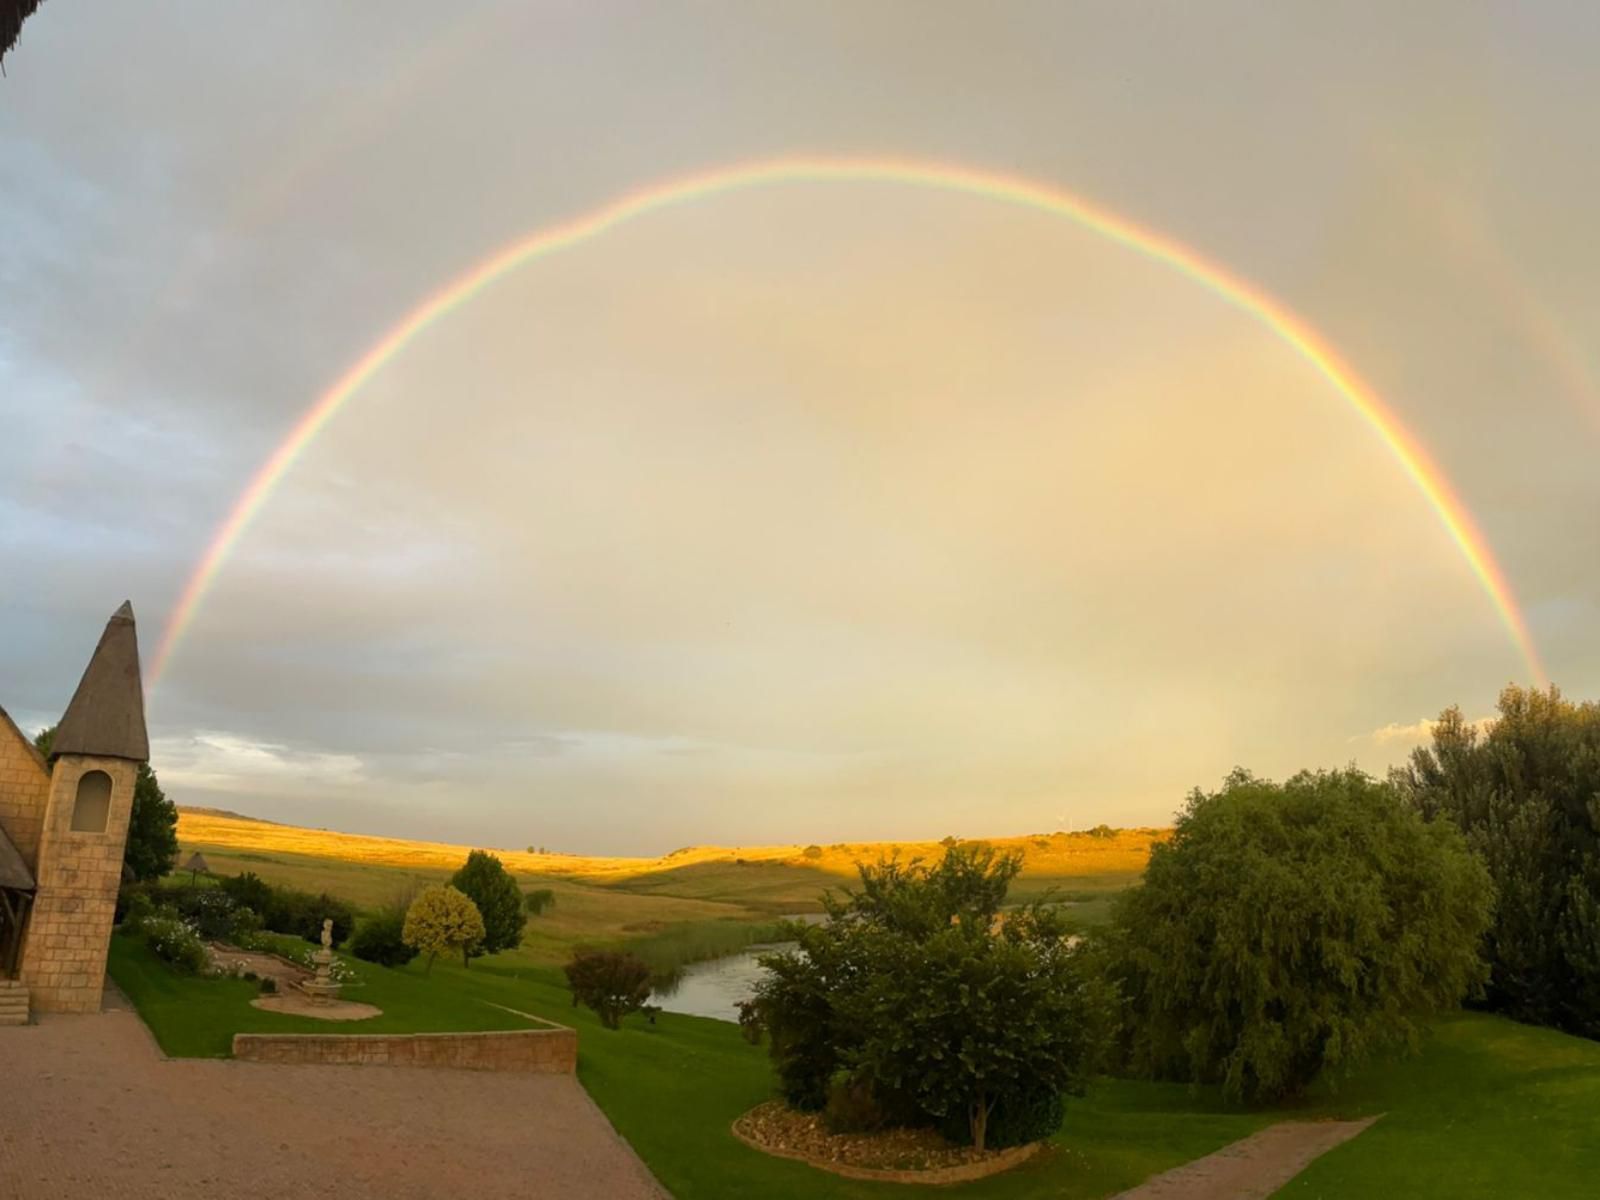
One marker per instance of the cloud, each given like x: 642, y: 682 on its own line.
x: 1414, y: 734
x: 226, y: 762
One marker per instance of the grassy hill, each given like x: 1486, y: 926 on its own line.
x: 694, y: 902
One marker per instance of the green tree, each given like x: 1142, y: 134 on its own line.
x: 611, y: 982
x: 917, y: 991
x: 539, y: 899
x: 1526, y: 792
x: 1287, y: 929
x: 494, y: 890
x: 152, y: 846
x: 442, y: 920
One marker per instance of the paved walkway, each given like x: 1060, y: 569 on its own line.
x: 92, y: 1109
x: 1251, y: 1168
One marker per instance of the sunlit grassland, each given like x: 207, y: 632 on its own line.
x: 739, y: 881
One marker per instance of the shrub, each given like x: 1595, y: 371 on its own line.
x: 136, y: 910
x: 268, y: 985
x: 537, y: 900
x: 611, y: 982
x: 1289, y: 929
x: 442, y: 920
x: 288, y: 910
x: 175, y: 942
x: 1524, y: 794
x: 918, y: 992
x: 813, y: 851
x: 485, y: 881
x: 381, y: 939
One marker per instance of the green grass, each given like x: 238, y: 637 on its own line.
x: 196, y: 1017
x: 1489, y: 1109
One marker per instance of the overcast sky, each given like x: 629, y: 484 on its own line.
x: 808, y: 513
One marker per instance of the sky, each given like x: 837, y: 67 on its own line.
x: 818, y: 511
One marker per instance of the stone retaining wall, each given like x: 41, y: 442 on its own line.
x: 551, y: 1051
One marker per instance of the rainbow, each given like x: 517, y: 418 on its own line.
x: 1007, y: 189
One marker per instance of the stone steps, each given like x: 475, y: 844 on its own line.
x: 13, y: 1003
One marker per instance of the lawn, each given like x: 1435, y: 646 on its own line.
x: 195, y: 1017
x: 1489, y: 1109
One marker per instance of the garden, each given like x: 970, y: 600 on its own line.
x: 1296, y: 951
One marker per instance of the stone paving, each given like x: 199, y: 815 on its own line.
x: 91, y: 1108
x: 1252, y: 1168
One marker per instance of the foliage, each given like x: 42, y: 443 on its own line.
x: 930, y: 1004
x: 152, y: 846
x: 610, y: 982
x: 484, y: 879
x: 1527, y: 795
x: 175, y: 942
x: 813, y: 851
x: 537, y: 900
x: 381, y: 939
x: 1290, y: 929
x: 136, y: 908
x: 289, y: 910
x: 443, y: 920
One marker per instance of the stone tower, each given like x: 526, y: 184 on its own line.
x: 94, y: 762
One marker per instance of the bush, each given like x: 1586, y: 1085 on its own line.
x: 442, y: 920
x: 137, y: 908
x: 537, y: 900
x: 381, y: 939
x: 1027, y: 1115
x: 813, y: 851
x: 485, y: 881
x: 1524, y: 793
x: 268, y: 985
x: 288, y: 910
x: 939, y: 1010
x: 175, y: 942
x: 611, y: 982
x: 1290, y: 929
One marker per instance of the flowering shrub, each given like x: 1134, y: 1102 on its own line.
x: 175, y: 942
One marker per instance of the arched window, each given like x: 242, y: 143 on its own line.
x: 93, y: 806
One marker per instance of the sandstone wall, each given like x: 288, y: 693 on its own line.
x: 64, y: 957
x: 545, y: 1051
x: 24, y: 791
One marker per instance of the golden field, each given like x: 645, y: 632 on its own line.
x: 604, y: 897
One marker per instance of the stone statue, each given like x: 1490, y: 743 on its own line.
x: 321, y: 988
x: 327, y: 933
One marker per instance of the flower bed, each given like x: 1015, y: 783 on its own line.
x: 891, y: 1155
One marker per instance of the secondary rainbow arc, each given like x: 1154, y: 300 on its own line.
x: 1289, y: 328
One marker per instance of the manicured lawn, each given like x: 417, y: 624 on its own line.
x: 194, y: 1017
x: 1489, y: 1109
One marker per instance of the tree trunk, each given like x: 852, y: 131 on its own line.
x: 980, y: 1123
x: 431, y: 956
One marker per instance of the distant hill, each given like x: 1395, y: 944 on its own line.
x: 774, y: 878
x: 200, y: 810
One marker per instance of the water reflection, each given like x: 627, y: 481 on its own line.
x: 714, y: 988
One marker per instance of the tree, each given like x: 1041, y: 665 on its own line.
x: 381, y: 937
x: 442, y: 920
x: 1290, y: 929
x: 918, y: 993
x: 539, y: 899
x: 493, y: 889
x: 1526, y: 792
x: 152, y: 846
x: 611, y: 982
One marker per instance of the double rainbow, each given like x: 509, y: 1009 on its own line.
x: 1275, y: 316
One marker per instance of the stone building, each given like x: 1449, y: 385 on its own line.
x: 63, y: 827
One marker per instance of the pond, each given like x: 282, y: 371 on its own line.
x: 715, y: 987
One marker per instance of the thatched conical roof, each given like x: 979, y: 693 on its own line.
x: 106, y: 715
x: 12, y: 14
x: 197, y: 862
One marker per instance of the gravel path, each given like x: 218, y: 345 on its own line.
x: 1251, y: 1168
x: 92, y: 1109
